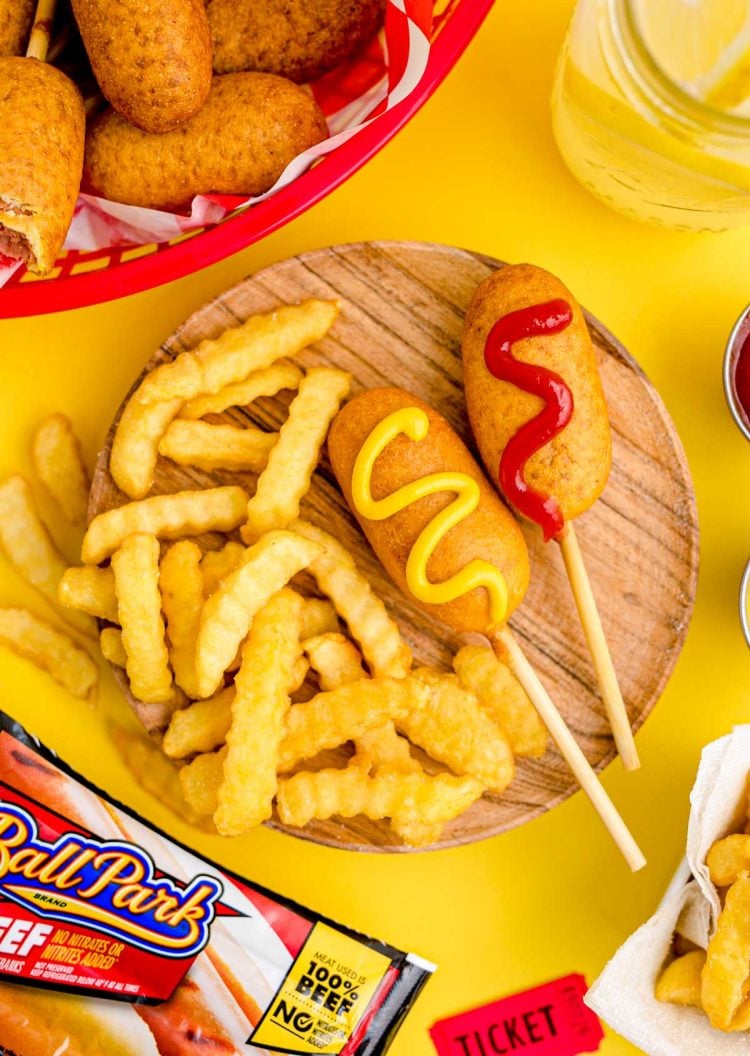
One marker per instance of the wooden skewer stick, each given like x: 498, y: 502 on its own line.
x: 508, y: 650
x: 93, y: 103
x: 41, y: 33
x: 592, y: 628
x: 59, y: 44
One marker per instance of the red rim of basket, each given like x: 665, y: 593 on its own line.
x: 236, y: 233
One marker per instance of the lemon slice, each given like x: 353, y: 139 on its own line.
x: 728, y: 88
x: 701, y: 45
x: 688, y: 38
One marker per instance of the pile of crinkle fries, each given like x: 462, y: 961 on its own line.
x: 257, y: 679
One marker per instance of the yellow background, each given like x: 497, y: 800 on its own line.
x: 476, y: 168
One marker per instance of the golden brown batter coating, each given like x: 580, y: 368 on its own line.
x: 152, y: 59
x: 42, y: 124
x: 299, y: 39
x: 251, y: 127
x: 490, y: 532
x: 16, y: 17
x: 573, y: 467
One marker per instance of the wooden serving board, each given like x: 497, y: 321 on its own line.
x: 401, y: 323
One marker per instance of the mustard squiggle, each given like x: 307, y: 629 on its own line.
x: 414, y: 423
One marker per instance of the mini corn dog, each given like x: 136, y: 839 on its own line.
x: 16, y: 17
x: 42, y: 123
x: 298, y: 39
x: 240, y: 142
x: 152, y: 63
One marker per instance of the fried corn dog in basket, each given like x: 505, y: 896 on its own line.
x: 16, y: 17
x: 155, y: 71
x: 396, y: 459
x: 42, y: 129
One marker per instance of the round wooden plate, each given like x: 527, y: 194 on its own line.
x: 403, y: 312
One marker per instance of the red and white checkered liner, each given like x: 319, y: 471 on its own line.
x: 365, y: 101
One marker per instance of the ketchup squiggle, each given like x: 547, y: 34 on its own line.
x: 552, y: 317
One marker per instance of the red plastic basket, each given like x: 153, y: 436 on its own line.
x: 81, y: 278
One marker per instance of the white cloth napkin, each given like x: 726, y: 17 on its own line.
x: 623, y: 995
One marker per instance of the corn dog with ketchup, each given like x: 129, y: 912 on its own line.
x: 447, y: 541
x: 538, y: 413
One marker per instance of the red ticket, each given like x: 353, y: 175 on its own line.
x: 550, y: 1020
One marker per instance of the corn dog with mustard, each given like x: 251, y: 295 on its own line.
x: 538, y: 412
x: 401, y: 466
x: 448, y: 542
x: 152, y: 61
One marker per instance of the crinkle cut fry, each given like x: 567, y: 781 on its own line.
x: 406, y: 798
x: 59, y: 465
x: 378, y: 636
x: 504, y: 699
x: 201, y: 727
x: 293, y: 459
x: 318, y: 617
x: 228, y: 613
x: 30, y: 549
x: 259, y: 708
x: 200, y: 781
x: 183, y: 513
x: 214, y: 364
x: 181, y: 588
x: 265, y: 382
x: 727, y: 967
x: 89, y: 589
x: 216, y: 565
x: 50, y: 650
x: 330, y: 719
x: 454, y: 730
x: 240, y: 351
x: 156, y: 774
x: 338, y: 662
x: 110, y: 643
x: 210, y: 447
x: 136, y: 569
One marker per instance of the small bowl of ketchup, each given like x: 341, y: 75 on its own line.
x: 737, y: 373
x: 737, y: 392
x: 745, y: 603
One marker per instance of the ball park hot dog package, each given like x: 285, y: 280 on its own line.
x: 117, y: 941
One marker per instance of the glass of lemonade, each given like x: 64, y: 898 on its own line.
x: 651, y: 108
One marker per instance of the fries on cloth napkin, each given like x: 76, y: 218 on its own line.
x: 693, y: 952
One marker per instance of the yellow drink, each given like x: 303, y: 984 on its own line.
x: 638, y: 139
